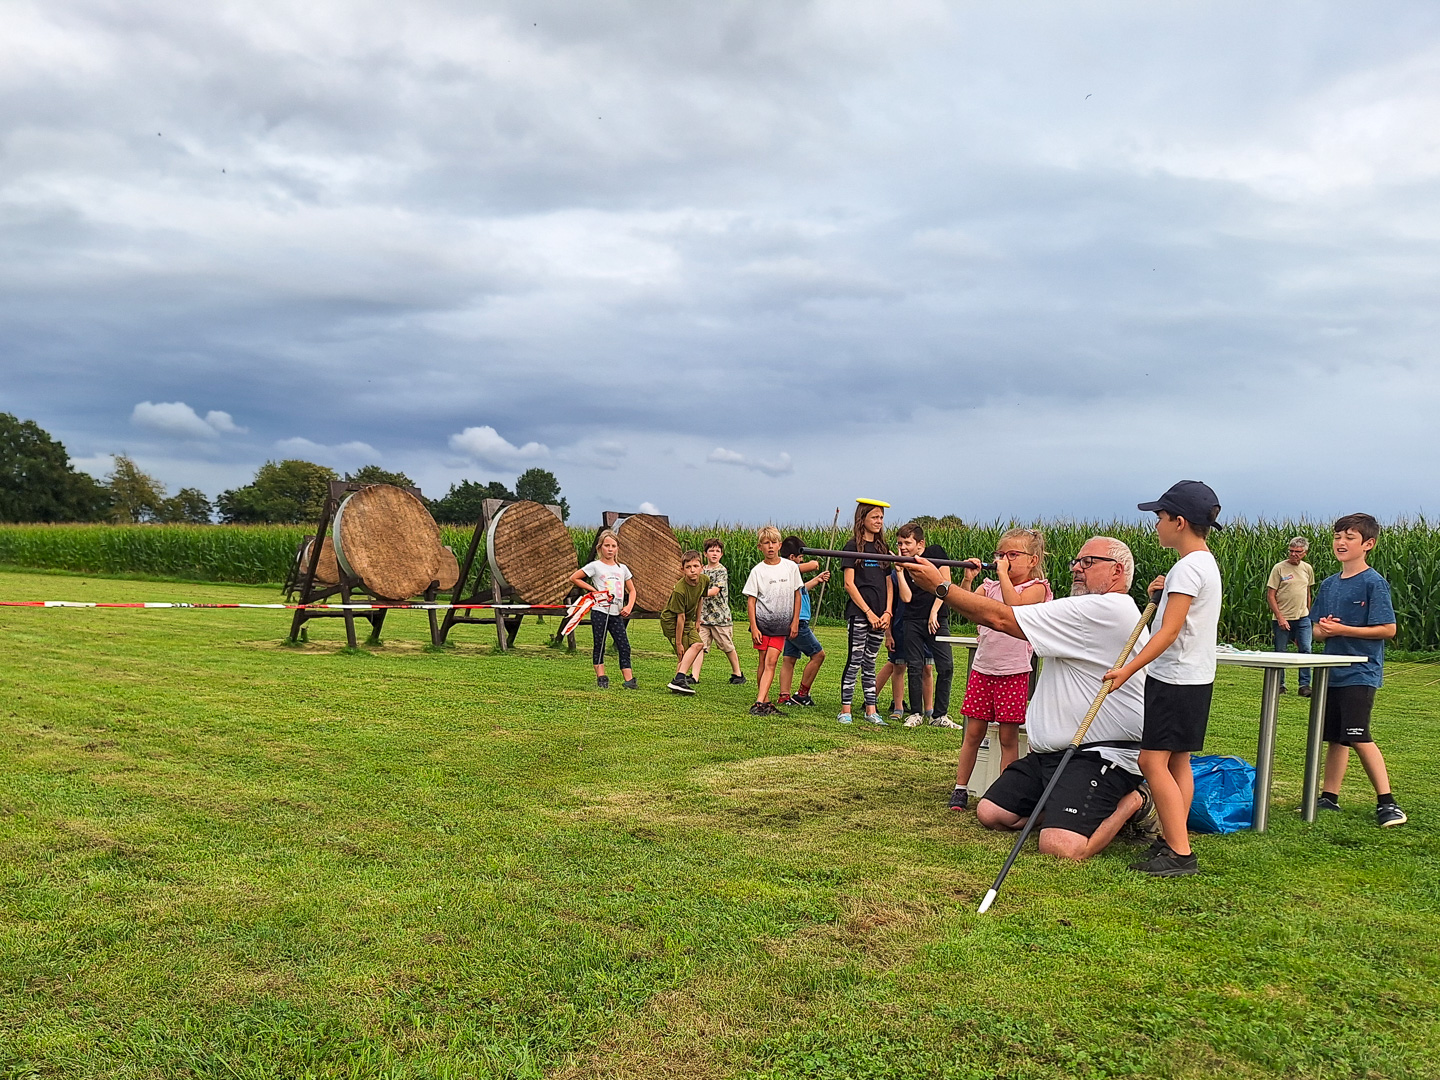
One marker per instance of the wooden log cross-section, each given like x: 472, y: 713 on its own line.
x: 649, y: 548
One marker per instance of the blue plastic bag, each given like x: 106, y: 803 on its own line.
x: 1224, y: 794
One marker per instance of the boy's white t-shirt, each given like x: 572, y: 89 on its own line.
x: 609, y: 577
x: 1190, y: 659
x: 774, y: 590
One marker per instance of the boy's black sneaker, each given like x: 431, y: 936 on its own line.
x: 680, y: 686
x: 1167, y: 864
x: 1388, y: 815
x: 803, y: 700
x: 689, y: 679
x: 1155, y: 848
x: 737, y: 680
x: 602, y: 682
x: 756, y: 710
x: 632, y: 684
x: 959, y: 799
x: 1325, y: 802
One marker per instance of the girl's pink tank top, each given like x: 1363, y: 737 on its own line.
x: 1001, y: 654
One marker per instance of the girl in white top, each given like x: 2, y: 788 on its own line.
x: 606, y: 574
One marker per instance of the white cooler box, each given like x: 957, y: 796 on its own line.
x: 987, y: 762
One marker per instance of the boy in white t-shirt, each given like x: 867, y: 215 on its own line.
x: 772, y: 593
x: 1181, y: 674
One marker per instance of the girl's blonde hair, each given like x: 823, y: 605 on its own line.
x: 1033, y: 541
x: 601, y: 537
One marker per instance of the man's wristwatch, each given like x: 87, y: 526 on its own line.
x: 942, y: 589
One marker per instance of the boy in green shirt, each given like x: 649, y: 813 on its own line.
x: 680, y: 617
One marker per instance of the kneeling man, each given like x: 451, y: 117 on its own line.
x: 1079, y: 636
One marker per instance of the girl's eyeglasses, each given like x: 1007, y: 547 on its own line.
x: 1009, y: 554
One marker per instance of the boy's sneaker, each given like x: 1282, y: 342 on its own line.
x: 1156, y: 847
x: 785, y: 699
x: 632, y: 684
x: 1325, y: 802
x: 959, y: 799
x: 876, y: 719
x: 845, y: 718
x: 602, y: 682
x: 737, y: 680
x: 680, y: 686
x: 756, y: 710
x: 896, y: 714
x: 914, y: 720
x: 1389, y: 814
x: 803, y: 700
x: 691, y: 679
x: 1145, y: 822
x: 1166, y: 863
x: 944, y: 721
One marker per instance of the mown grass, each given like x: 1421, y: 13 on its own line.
x: 221, y: 857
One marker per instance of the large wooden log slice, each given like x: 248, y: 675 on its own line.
x: 651, y: 551
x: 386, y: 537
x: 530, y: 550
x: 327, y: 570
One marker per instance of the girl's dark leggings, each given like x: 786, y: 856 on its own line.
x: 865, y: 642
x: 600, y: 624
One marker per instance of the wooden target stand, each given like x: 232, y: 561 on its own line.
x: 507, y: 617
x: 609, y: 520
x: 312, y: 592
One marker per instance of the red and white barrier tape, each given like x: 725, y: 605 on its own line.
x: 289, y: 607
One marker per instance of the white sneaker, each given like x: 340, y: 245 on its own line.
x: 914, y: 720
x: 944, y: 721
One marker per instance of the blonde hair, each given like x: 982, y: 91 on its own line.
x: 1033, y: 541
x: 603, y: 534
x: 767, y: 532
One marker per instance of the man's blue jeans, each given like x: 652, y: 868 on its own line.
x: 1299, y: 633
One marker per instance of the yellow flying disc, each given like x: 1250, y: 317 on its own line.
x: 873, y: 502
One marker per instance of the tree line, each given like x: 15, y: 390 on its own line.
x: 39, y: 483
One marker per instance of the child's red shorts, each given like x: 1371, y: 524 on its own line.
x: 998, y: 699
x: 770, y: 641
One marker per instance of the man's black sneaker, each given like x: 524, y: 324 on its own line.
x: 680, y: 686
x: 960, y: 799
x: 1388, y: 815
x: 1304, y: 691
x: 1325, y: 802
x: 737, y: 680
x: 602, y: 681
x: 803, y: 700
x: 632, y: 684
x: 1167, y: 864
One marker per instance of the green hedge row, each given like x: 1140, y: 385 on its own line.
x: 1408, y: 555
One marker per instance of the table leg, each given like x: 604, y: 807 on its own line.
x: 1319, y: 687
x: 1265, y: 749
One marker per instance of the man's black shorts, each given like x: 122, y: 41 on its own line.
x: 1347, y: 714
x: 1175, y: 716
x: 1090, y: 789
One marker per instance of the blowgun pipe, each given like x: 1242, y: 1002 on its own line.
x: 827, y: 553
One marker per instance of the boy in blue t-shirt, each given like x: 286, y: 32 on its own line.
x: 1353, y: 615
x: 804, y: 643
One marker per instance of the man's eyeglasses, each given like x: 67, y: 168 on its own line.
x: 1085, y: 562
x: 1009, y: 554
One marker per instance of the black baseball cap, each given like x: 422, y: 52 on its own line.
x: 1196, y: 502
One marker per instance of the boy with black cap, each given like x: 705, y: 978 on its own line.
x: 1181, y: 674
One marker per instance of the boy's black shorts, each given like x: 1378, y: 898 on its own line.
x: 1347, y: 714
x: 1176, y: 716
x: 1090, y: 789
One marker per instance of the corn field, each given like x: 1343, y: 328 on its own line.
x: 1408, y: 555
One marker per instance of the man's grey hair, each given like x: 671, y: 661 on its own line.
x: 1120, y: 552
x: 1300, y: 542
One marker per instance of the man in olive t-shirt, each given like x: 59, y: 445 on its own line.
x: 1288, y: 594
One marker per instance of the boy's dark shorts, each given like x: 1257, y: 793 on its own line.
x: 804, y: 643
x: 1090, y: 789
x: 1176, y: 716
x: 667, y: 627
x: 896, y: 655
x: 1347, y: 714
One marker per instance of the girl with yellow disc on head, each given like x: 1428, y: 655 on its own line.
x: 868, y: 612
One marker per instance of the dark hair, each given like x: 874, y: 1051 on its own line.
x: 712, y: 542
x: 909, y: 529
x: 690, y: 556
x: 862, y: 511
x: 1199, y: 528
x: 791, y: 545
x: 1364, y: 524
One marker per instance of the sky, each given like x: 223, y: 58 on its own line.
x: 735, y: 261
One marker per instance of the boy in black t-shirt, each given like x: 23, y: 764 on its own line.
x: 926, y: 618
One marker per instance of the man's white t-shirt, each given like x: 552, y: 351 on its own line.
x: 1080, y: 638
x: 774, y: 590
x: 1190, y: 659
x: 612, y: 578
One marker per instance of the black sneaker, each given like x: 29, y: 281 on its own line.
x: 1325, y: 802
x: 960, y: 799
x: 1389, y: 814
x: 737, y: 680
x: 1167, y: 864
x: 756, y: 710
x: 1156, y: 847
x: 680, y: 686
x: 803, y: 700
x: 602, y: 682
x: 632, y: 684
x: 690, y: 679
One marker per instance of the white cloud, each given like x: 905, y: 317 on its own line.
x: 780, y: 466
x: 648, y: 507
x: 488, y: 447
x: 176, y: 419
x: 348, y: 453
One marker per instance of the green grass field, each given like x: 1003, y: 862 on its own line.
x: 223, y: 857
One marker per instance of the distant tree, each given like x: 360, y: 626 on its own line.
x: 188, y: 506
x: 37, y: 481
x: 540, y: 485
x: 949, y: 521
x: 374, y: 474
x: 135, y: 496
x: 461, y: 504
x: 283, y: 492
